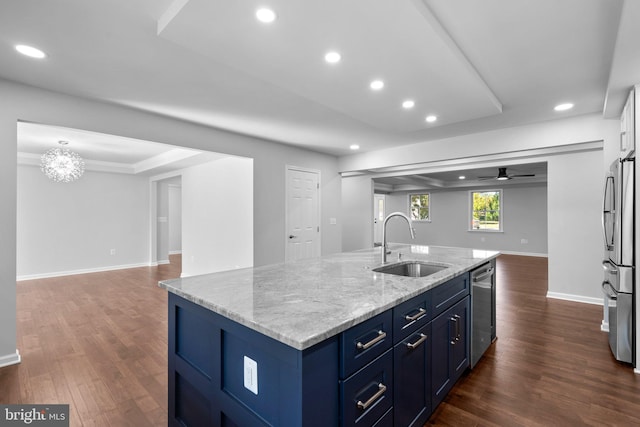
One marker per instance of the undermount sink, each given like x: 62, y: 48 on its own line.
x: 410, y: 268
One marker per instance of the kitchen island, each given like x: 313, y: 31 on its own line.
x: 326, y: 341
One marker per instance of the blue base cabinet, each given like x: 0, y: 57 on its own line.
x: 390, y: 370
x: 412, y: 370
x: 206, y: 374
x: 450, y: 354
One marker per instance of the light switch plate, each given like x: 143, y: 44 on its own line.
x: 251, y: 375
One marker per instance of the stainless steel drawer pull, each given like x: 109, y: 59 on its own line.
x: 416, y: 316
x: 413, y: 345
x: 381, y: 389
x: 456, y: 338
x: 381, y: 335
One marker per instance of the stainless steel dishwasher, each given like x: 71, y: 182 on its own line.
x: 483, y: 310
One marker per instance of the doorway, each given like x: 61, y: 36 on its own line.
x: 379, y: 201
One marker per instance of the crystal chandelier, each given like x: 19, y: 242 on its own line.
x: 62, y: 165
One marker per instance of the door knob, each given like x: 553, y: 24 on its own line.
x: 291, y: 236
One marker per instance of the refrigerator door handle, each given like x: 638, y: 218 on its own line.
x: 608, y: 246
x: 609, y: 267
x: 608, y: 290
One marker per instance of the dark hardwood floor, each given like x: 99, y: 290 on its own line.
x: 550, y: 366
x: 99, y: 343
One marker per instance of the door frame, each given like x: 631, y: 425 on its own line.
x: 286, y: 206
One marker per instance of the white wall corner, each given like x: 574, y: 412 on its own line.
x: 10, y: 359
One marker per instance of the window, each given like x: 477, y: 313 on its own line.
x: 419, y: 207
x: 486, y: 212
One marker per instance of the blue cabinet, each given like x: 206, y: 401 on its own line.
x: 390, y: 370
x: 450, y: 348
x: 412, y: 378
x: 206, y: 374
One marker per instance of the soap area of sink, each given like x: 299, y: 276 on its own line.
x: 411, y: 268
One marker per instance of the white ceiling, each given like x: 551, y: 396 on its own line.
x: 477, y: 65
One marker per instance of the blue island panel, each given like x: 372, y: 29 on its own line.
x: 206, y: 374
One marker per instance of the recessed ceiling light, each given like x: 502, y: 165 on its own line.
x: 30, y: 51
x: 265, y: 15
x: 376, y: 84
x: 431, y: 119
x: 462, y: 177
x: 354, y: 147
x: 408, y: 104
x: 332, y: 57
x: 563, y: 107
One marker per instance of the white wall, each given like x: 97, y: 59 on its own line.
x: 19, y: 102
x: 357, y: 213
x: 575, y: 230
x: 64, y: 228
x: 175, y: 219
x: 524, y: 216
x: 217, y: 218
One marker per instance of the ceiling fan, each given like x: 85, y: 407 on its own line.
x: 503, y: 176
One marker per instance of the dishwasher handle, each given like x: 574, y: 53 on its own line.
x: 483, y: 276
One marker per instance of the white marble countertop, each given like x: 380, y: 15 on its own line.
x: 305, y: 302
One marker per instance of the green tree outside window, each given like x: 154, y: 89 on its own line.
x: 419, y: 204
x: 486, y: 210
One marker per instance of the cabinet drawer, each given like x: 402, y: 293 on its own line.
x: 448, y: 293
x: 410, y: 316
x: 368, y: 395
x: 364, y: 342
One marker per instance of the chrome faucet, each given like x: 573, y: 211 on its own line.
x: 384, y: 232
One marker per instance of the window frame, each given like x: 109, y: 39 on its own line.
x: 500, y: 212
x: 428, y: 194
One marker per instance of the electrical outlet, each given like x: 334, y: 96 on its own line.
x: 113, y: 252
x: 524, y: 241
x: 251, y: 375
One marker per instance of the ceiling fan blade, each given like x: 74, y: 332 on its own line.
x: 520, y: 176
x: 482, y: 178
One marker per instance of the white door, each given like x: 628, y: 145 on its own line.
x: 378, y: 217
x: 303, y: 214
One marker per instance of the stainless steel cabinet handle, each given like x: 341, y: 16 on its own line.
x: 416, y: 316
x: 413, y: 345
x: 380, y: 337
x: 455, y: 320
x: 381, y: 389
x: 483, y: 276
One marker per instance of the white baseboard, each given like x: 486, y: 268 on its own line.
x: 575, y: 298
x: 175, y: 252
x: 83, y: 271
x: 10, y: 359
x: 604, y: 326
x: 163, y: 261
x: 524, y: 253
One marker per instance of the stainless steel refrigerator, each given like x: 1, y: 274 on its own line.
x: 618, y: 229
